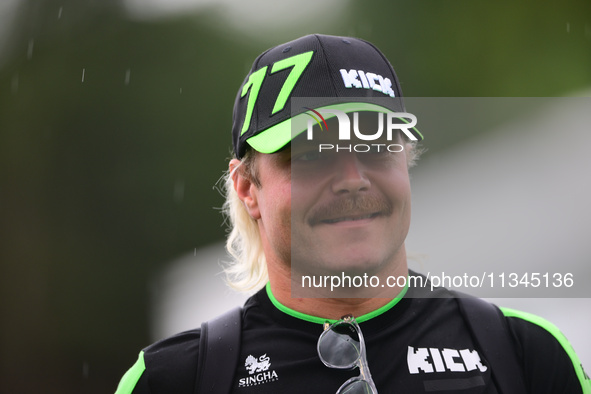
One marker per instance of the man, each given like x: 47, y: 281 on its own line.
x: 312, y: 195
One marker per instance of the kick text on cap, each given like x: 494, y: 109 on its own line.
x: 361, y: 79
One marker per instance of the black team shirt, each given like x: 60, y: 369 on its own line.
x: 415, y: 345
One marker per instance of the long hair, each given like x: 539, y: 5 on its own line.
x: 247, y: 272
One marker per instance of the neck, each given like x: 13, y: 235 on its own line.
x: 358, y: 304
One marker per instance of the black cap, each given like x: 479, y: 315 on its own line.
x: 347, y: 69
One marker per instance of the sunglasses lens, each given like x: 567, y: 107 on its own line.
x: 340, y: 347
x: 357, y: 387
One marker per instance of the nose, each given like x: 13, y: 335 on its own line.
x: 350, y: 176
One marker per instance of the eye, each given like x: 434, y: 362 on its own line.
x: 308, y: 156
x: 378, y: 153
x: 377, y: 150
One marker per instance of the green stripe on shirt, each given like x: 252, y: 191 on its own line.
x: 552, y: 329
x: 131, y: 377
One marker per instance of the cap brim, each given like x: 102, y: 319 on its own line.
x: 276, y: 137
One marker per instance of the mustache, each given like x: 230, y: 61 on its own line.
x: 350, y: 206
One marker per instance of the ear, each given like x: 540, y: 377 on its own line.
x: 247, y: 191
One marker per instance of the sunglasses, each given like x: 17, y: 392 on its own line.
x: 341, y: 346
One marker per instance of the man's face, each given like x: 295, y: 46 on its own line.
x: 333, y: 212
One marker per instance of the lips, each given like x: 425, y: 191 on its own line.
x: 350, y: 218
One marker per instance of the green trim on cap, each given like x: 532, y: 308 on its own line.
x: 322, y: 320
x: 279, y: 135
x: 131, y: 377
x: 552, y: 329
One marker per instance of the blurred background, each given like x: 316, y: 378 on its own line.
x: 115, y: 120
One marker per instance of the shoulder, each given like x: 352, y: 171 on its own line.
x: 550, y: 362
x: 171, y: 364
x: 167, y: 366
x: 184, y: 345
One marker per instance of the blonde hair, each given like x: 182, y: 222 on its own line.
x: 247, y: 272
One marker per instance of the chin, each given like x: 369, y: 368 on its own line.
x: 359, y: 267
x: 351, y: 266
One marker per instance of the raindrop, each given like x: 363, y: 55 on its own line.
x: 85, y: 370
x: 30, y: 49
x: 59, y: 13
x: 567, y: 27
x: 83, y: 71
x: 127, y: 76
x: 14, y: 84
x: 179, y: 191
x: 181, y: 91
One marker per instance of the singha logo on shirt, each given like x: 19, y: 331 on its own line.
x: 253, y: 365
x: 258, y: 371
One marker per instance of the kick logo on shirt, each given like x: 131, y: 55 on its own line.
x: 258, y: 370
x: 430, y: 360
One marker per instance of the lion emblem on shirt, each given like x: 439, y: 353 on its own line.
x: 253, y: 365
